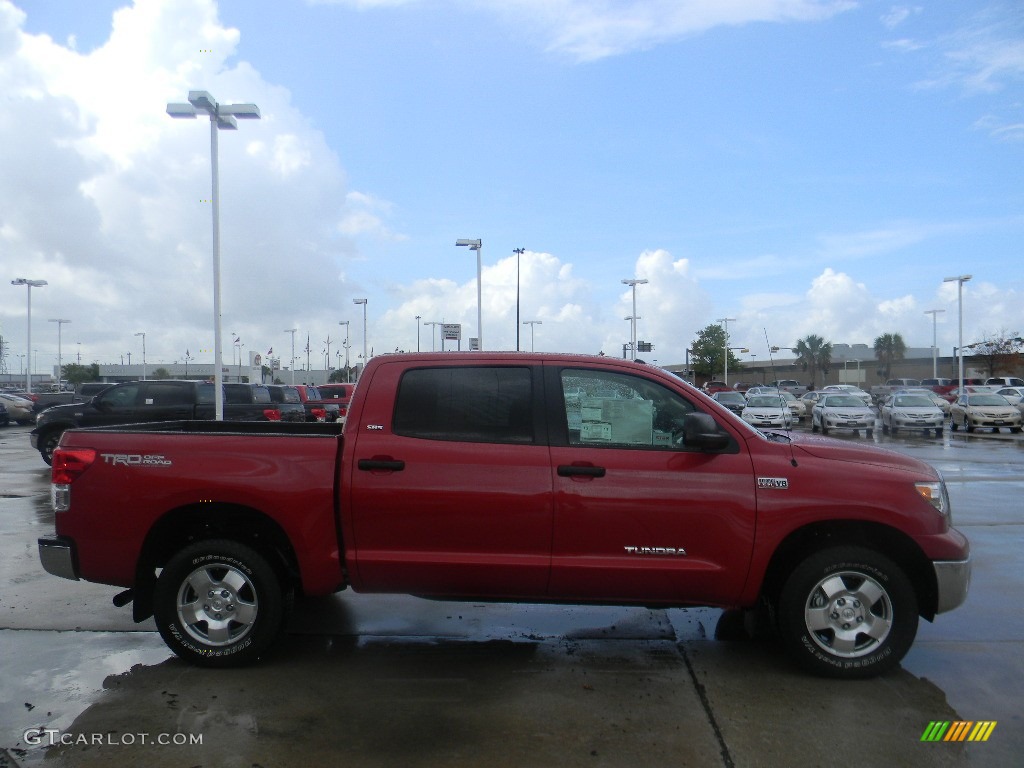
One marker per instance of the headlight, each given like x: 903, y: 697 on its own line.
x: 935, y: 494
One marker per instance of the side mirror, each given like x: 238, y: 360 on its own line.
x: 700, y: 430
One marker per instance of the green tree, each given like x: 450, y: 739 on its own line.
x: 889, y: 350
x: 73, y: 373
x: 161, y: 373
x: 814, y: 354
x: 707, y: 354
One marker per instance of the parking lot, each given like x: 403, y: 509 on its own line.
x: 399, y: 681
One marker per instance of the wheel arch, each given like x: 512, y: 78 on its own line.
x: 888, y: 541
x: 186, y: 525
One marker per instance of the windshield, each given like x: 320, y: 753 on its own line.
x: 765, y: 401
x: 912, y: 401
x: 987, y: 400
x: 842, y: 401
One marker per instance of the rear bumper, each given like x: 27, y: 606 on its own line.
x: 953, y: 578
x: 57, y: 556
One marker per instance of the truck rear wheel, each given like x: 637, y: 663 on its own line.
x: 219, y: 603
x: 847, y: 612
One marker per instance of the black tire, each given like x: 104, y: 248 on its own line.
x: 824, y: 428
x: 895, y: 430
x: 938, y: 431
x: 885, y: 428
x: 814, y: 427
x: 826, y: 623
x: 1016, y: 430
x: 952, y: 424
x: 47, y: 444
x: 240, y: 617
x: 870, y: 433
x: 968, y: 426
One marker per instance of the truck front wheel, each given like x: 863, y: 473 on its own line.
x: 847, y: 612
x: 48, y: 444
x: 219, y: 603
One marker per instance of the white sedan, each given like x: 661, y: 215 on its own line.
x: 848, y: 389
x: 796, y: 406
x: 767, y: 411
x: 985, y: 409
x: 911, y: 411
x: 1014, y: 394
x: 842, y: 411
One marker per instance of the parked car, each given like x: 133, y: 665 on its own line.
x: 909, y: 411
x: 716, y: 386
x: 789, y: 385
x: 317, y: 409
x: 1014, y: 394
x: 339, y: 392
x: 810, y: 398
x: 1005, y: 381
x: 984, y: 410
x: 18, y: 409
x: 734, y: 401
x: 881, y: 391
x: 842, y: 411
x: 767, y: 411
x: 150, y: 401
x: 287, y: 401
x: 796, y: 406
x: 849, y: 389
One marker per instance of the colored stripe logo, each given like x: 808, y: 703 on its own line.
x: 959, y: 730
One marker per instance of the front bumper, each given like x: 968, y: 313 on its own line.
x: 952, y: 578
x: 57, y: 556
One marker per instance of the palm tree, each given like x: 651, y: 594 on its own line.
x: 815, y: 354
x: 889, y: 350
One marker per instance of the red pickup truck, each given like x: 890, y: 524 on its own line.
x: 512, y: 477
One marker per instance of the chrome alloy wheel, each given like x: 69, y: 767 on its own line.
x: 217, y: 604
x: 848, y: 614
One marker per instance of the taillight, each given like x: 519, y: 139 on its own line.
x: 320, y: 414
x: 67, y: 466
x: 272, y: 414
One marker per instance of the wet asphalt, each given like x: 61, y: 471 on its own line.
x: 398, y: 681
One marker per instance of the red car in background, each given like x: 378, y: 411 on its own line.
x: 317, y: 409
x: 341, y: 393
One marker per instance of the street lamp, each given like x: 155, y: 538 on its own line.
x: 433, y: 333
x: 532, y: 323
x: 725, y: 326
x: 959, y: 280
x: 143, y: 335
x: 30, y: 284
x: 345, y: 323
x: 476, y: 245
x: 223, y: 117
x: 418, y: 318
x: 291, y: 363
x: 60, y: 327
x: 935, y: 349
x: 633, y: 283
x: 363, y: 302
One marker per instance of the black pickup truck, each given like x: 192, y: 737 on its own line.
x: 147, y: 401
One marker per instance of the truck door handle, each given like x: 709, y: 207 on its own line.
x: 576, y: 470
x: 377, y: 465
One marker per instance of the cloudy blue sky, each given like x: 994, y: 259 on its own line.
x: 802, y: 166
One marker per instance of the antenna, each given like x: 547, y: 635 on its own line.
x: 771, y: 358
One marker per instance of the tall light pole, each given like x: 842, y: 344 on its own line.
x: 291, y: 363
x: 30, y: 284
x: 60, y: 327
x: 345, y: 323
x: 418, y: 318
x: 725, y: 326
x: 935, y: 349
x: 222, y: 117
x: 433, y: 333
x: 477, y: 245
x: 633, y: 283
x: 959, y: 280
x: 519, y: 253
x: 532, y: 323
x: 363, y: 302
x: 143, y: 335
